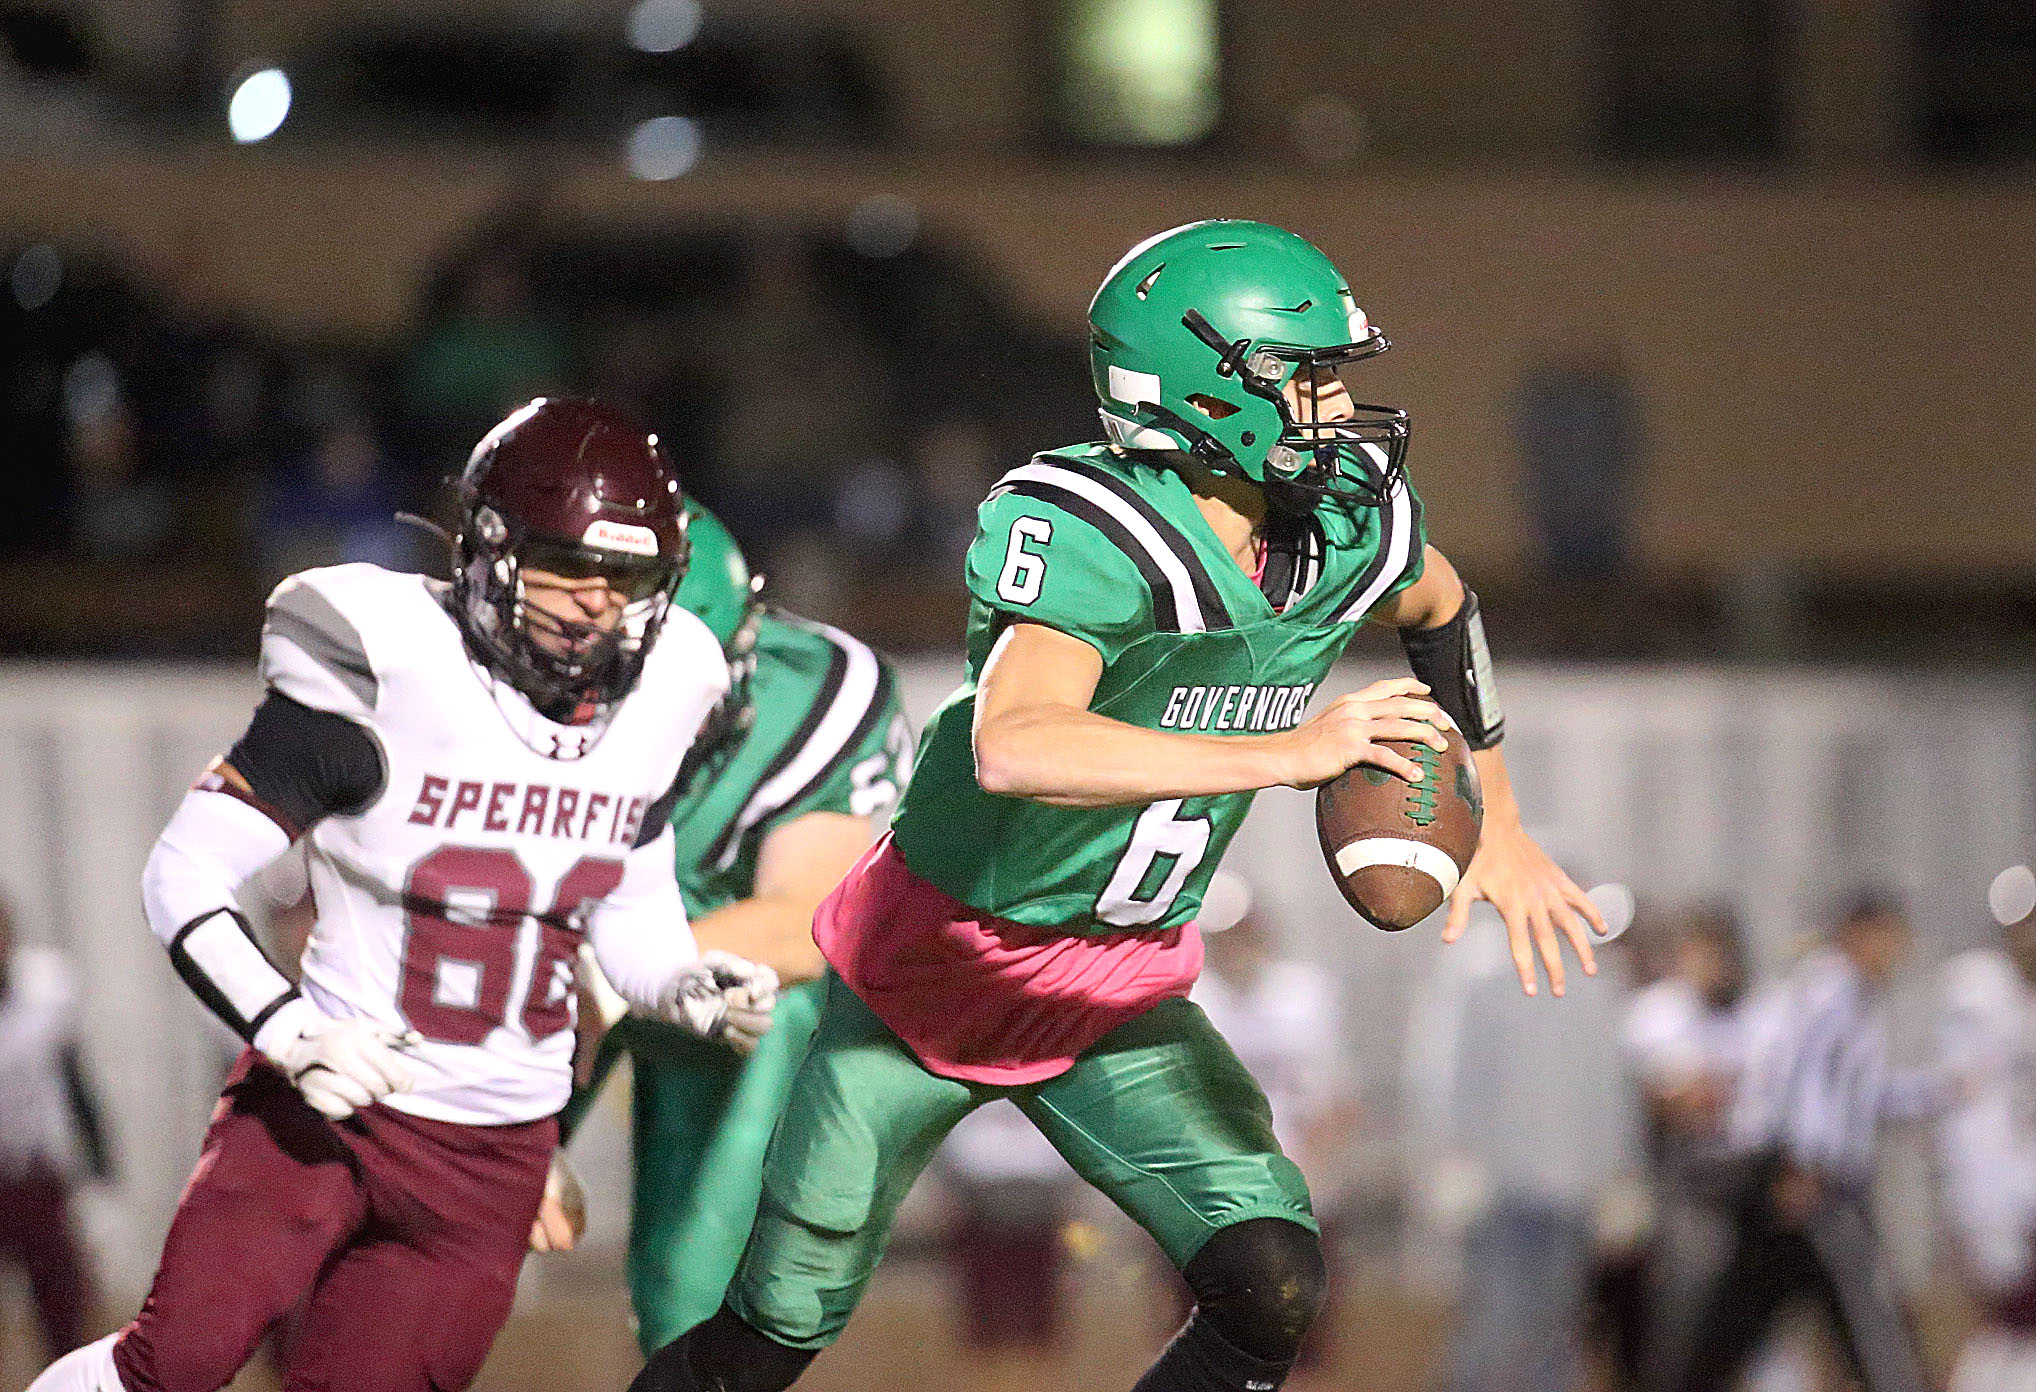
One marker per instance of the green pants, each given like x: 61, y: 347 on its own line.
x: 702, y: 1119
x: 1159, y: 1115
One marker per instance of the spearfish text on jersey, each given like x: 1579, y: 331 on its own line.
x: 534, y: 809
x: 1236, y: 707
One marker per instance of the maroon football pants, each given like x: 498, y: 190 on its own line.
x: 406, y: 1233
x: 36, y: 1231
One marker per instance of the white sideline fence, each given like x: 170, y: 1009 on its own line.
x: 1770, y: 790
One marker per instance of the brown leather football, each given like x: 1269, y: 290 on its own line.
x: 1396, y: 849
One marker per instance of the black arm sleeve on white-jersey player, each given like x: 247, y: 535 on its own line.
x: 299, y: 765
x: 303, y: 764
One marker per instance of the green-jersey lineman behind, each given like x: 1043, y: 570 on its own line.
x: 1151, y: 615
x: 783, y: 788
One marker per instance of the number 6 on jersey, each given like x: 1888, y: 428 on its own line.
x: 1159, y: 831
x: 1024, y: 569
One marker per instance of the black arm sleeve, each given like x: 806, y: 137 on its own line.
x: 1453, y: 659
x: 84, y: 1104
x: 304, y: 764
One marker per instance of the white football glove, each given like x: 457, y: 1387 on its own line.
x: 339, y: 1065
x: 725, y: 997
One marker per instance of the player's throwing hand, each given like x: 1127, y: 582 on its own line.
x: 1349, y: 731
x: 1534, y: 897
x: 724, y: 997
x: 340, y: 1066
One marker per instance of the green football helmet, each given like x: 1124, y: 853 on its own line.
x: 1196, y: 332
x: 720, y: 590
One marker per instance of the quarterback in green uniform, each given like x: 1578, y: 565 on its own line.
x: 783, y: 788
x: 1151, y: 615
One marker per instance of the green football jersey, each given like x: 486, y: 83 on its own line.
x: 830, y: 736
x: 1114, y: 551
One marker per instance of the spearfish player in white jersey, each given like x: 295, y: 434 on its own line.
x: 483, y: 772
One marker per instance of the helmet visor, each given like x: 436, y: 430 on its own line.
x: 635, y: 578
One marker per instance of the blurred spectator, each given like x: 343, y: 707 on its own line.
x: 336, y: 504
x: 1684, y: 1037
x: 956, y: 459
x: 1577, y: 422
x: 807, y: 401
x: 117, y: 512
x: 1803, y: 1135
x: 1531, y: 1155
x: 49, y: 1132
x: 209, y: 400
x: 1986, y: 1144
x: 1683, y: 1033
x: 873, y: 505
x: 1012, y: 1196
x: 1280, y: 1015
x: 485, y: 349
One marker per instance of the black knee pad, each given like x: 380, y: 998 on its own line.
x: 1259, y: 1284
x: 723, y: 1354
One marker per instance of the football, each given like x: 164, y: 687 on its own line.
x: 1397, y: 849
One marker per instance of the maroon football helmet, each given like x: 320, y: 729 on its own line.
x: 572, y: 488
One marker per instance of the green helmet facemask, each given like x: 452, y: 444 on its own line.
x: 722, y: 593
x: 1193, y: 337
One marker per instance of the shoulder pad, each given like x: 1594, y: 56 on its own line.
x: 313, y: 646
x: 1135, y: 538
x: 687, y: 653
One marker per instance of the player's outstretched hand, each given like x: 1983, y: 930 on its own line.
x: 724, y: 997
x: 340, y: 1066
x: 1351, y: 728
x: 1534, y: 897
x: 562, y: 1212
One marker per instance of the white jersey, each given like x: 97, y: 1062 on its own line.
x: 38, y: 1022
x: 1673, y: 1037
x: 1986, y: 1144
x: 455, y: 902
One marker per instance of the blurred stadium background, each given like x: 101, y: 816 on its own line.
x: 1716, y: 320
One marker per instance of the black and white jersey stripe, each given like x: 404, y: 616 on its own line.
x: 854, y: 695
x: 1399, y: 531
x: 1294, y: 551
x: 1184, y: 595
x: 1311, y: 561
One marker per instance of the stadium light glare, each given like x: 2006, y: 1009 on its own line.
x: 664, y: 26
x: 259, y: 105
x: 1616, y: 905
x: 2012, y: 896
x: 664, y: 147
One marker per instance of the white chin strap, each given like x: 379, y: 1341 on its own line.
x: 1129, y: 434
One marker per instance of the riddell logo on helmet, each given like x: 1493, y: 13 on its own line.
x: 620, y: 536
